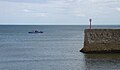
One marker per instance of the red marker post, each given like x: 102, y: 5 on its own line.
x: 90, y: 23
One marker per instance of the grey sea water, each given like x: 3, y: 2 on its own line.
x: 55, y: 49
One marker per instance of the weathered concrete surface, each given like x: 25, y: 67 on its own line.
x: 101, y: 41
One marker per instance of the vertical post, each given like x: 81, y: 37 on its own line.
x: 90, y: 22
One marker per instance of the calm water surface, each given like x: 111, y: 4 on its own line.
x: 56, y: 49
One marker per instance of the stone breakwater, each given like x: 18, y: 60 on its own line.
x: 101, y: 41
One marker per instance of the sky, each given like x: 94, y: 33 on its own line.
x: 59, y: 12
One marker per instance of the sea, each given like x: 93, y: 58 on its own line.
x: 57, y: 48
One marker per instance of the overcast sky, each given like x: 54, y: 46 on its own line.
x: 68, y: 12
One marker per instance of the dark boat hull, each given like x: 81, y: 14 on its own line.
x: 35, y: 32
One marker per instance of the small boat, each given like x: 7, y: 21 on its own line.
x: 36, y: 31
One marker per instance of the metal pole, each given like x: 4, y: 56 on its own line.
x: 90, y: 23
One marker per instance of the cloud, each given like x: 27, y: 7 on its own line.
x: 42, y: 14
x: 78, y: 13
x: 94, y: 0
x: 57, y: 10
x: 34, y: 13
x: 27, y: 10
x: 26, y: 1
x: 118, y: 9
x: 105, y: 1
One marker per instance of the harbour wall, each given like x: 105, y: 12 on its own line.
x: 101, y: 41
